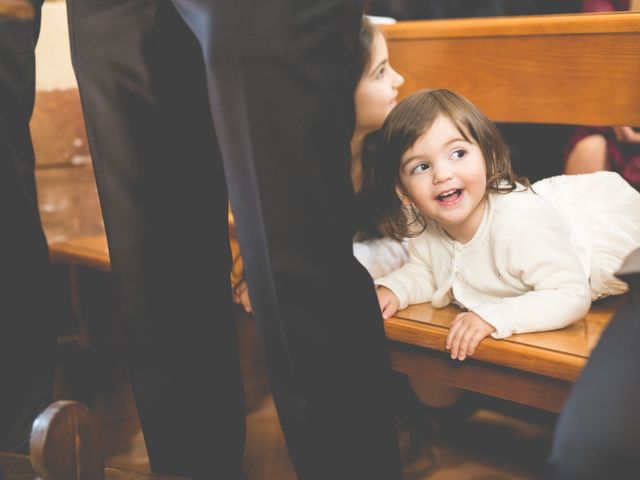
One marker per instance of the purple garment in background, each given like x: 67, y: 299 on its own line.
x: 623, y: 158
x: 605, y: 5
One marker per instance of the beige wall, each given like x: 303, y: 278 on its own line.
x: 53, y: 60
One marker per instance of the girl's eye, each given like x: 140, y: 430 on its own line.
x: 458, y: 154
x: 421, y: 167
x: 381, y: 72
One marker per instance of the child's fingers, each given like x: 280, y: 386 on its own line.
x: 455, y: 336
x: 452, y: 330
x: 242, y: 297
x: 246, y: 303
x: 475, y: 341
x: 387, y: 308
x: 382, y: 301
x: 465, y: 342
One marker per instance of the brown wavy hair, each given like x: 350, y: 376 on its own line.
x: 411, y: 118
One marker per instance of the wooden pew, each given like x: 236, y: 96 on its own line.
x: 567, y: 69
x: 64, y: 446
x: 563, y: 69
x: 16, y: 9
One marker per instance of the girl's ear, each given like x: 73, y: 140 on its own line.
x: 402, y: 195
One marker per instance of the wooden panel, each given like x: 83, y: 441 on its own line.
x: 497, y: 381
x: 562, y: 24
x: 57, y: 128
x: 90, y: 251
x: 552, y: 69
x: 16, y: 9
x: 93, y: 251
x: 68, y: 202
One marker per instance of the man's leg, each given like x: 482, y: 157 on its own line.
x: 281, y: 88
x: 163, y: 195
x: 598, y: 432
x: 27, y: 341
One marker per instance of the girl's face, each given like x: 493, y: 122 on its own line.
x: 376, y: 93
x: 445, y: 177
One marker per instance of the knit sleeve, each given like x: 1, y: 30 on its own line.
x: 380, y: 256
x: 542, y: 257
x: 414, y: 281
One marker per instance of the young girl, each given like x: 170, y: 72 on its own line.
x: 516, y: 258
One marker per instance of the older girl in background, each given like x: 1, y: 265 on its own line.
x: 375, y: 96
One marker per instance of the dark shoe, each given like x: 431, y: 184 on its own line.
x: 420, y: 453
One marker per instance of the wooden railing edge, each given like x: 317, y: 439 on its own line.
x: 560, y: 24
x: 554, y: 364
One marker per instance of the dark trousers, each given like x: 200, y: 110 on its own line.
x: 598, y: 432
x: 187, y: 101
x: 27, y: 342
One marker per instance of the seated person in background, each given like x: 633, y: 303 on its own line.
x: 517, y: 258
x: 592, y: 149
x: 374, y: 97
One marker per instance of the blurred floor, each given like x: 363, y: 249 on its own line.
x: 500, y: 441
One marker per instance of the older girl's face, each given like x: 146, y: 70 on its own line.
x: 377, y: 91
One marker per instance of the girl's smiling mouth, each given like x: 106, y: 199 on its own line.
x: 450, y: 197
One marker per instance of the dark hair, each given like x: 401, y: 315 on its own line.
x: 365, y: 47
x: 403, y: 127
x: 367, y: 227
x: 366, y: 209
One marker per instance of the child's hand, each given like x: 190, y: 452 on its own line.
x: 466, y: 332
x: 389, y: 303
x: 241, y: 296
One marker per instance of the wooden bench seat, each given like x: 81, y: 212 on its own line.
x: 89, y: 251
x: 535, y: 369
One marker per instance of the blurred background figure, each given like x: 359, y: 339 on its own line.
x: 617, y: 148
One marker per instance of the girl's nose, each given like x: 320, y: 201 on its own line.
x: 441, y: 173
x: 398, y: 80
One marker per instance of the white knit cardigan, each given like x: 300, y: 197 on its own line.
x: 519, y: 272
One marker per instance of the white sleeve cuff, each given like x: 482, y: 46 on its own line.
x: 490, y: 313
x: 397, y: 288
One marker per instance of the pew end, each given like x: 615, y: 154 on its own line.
x: 65, y: 446
x: 64, y: 443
